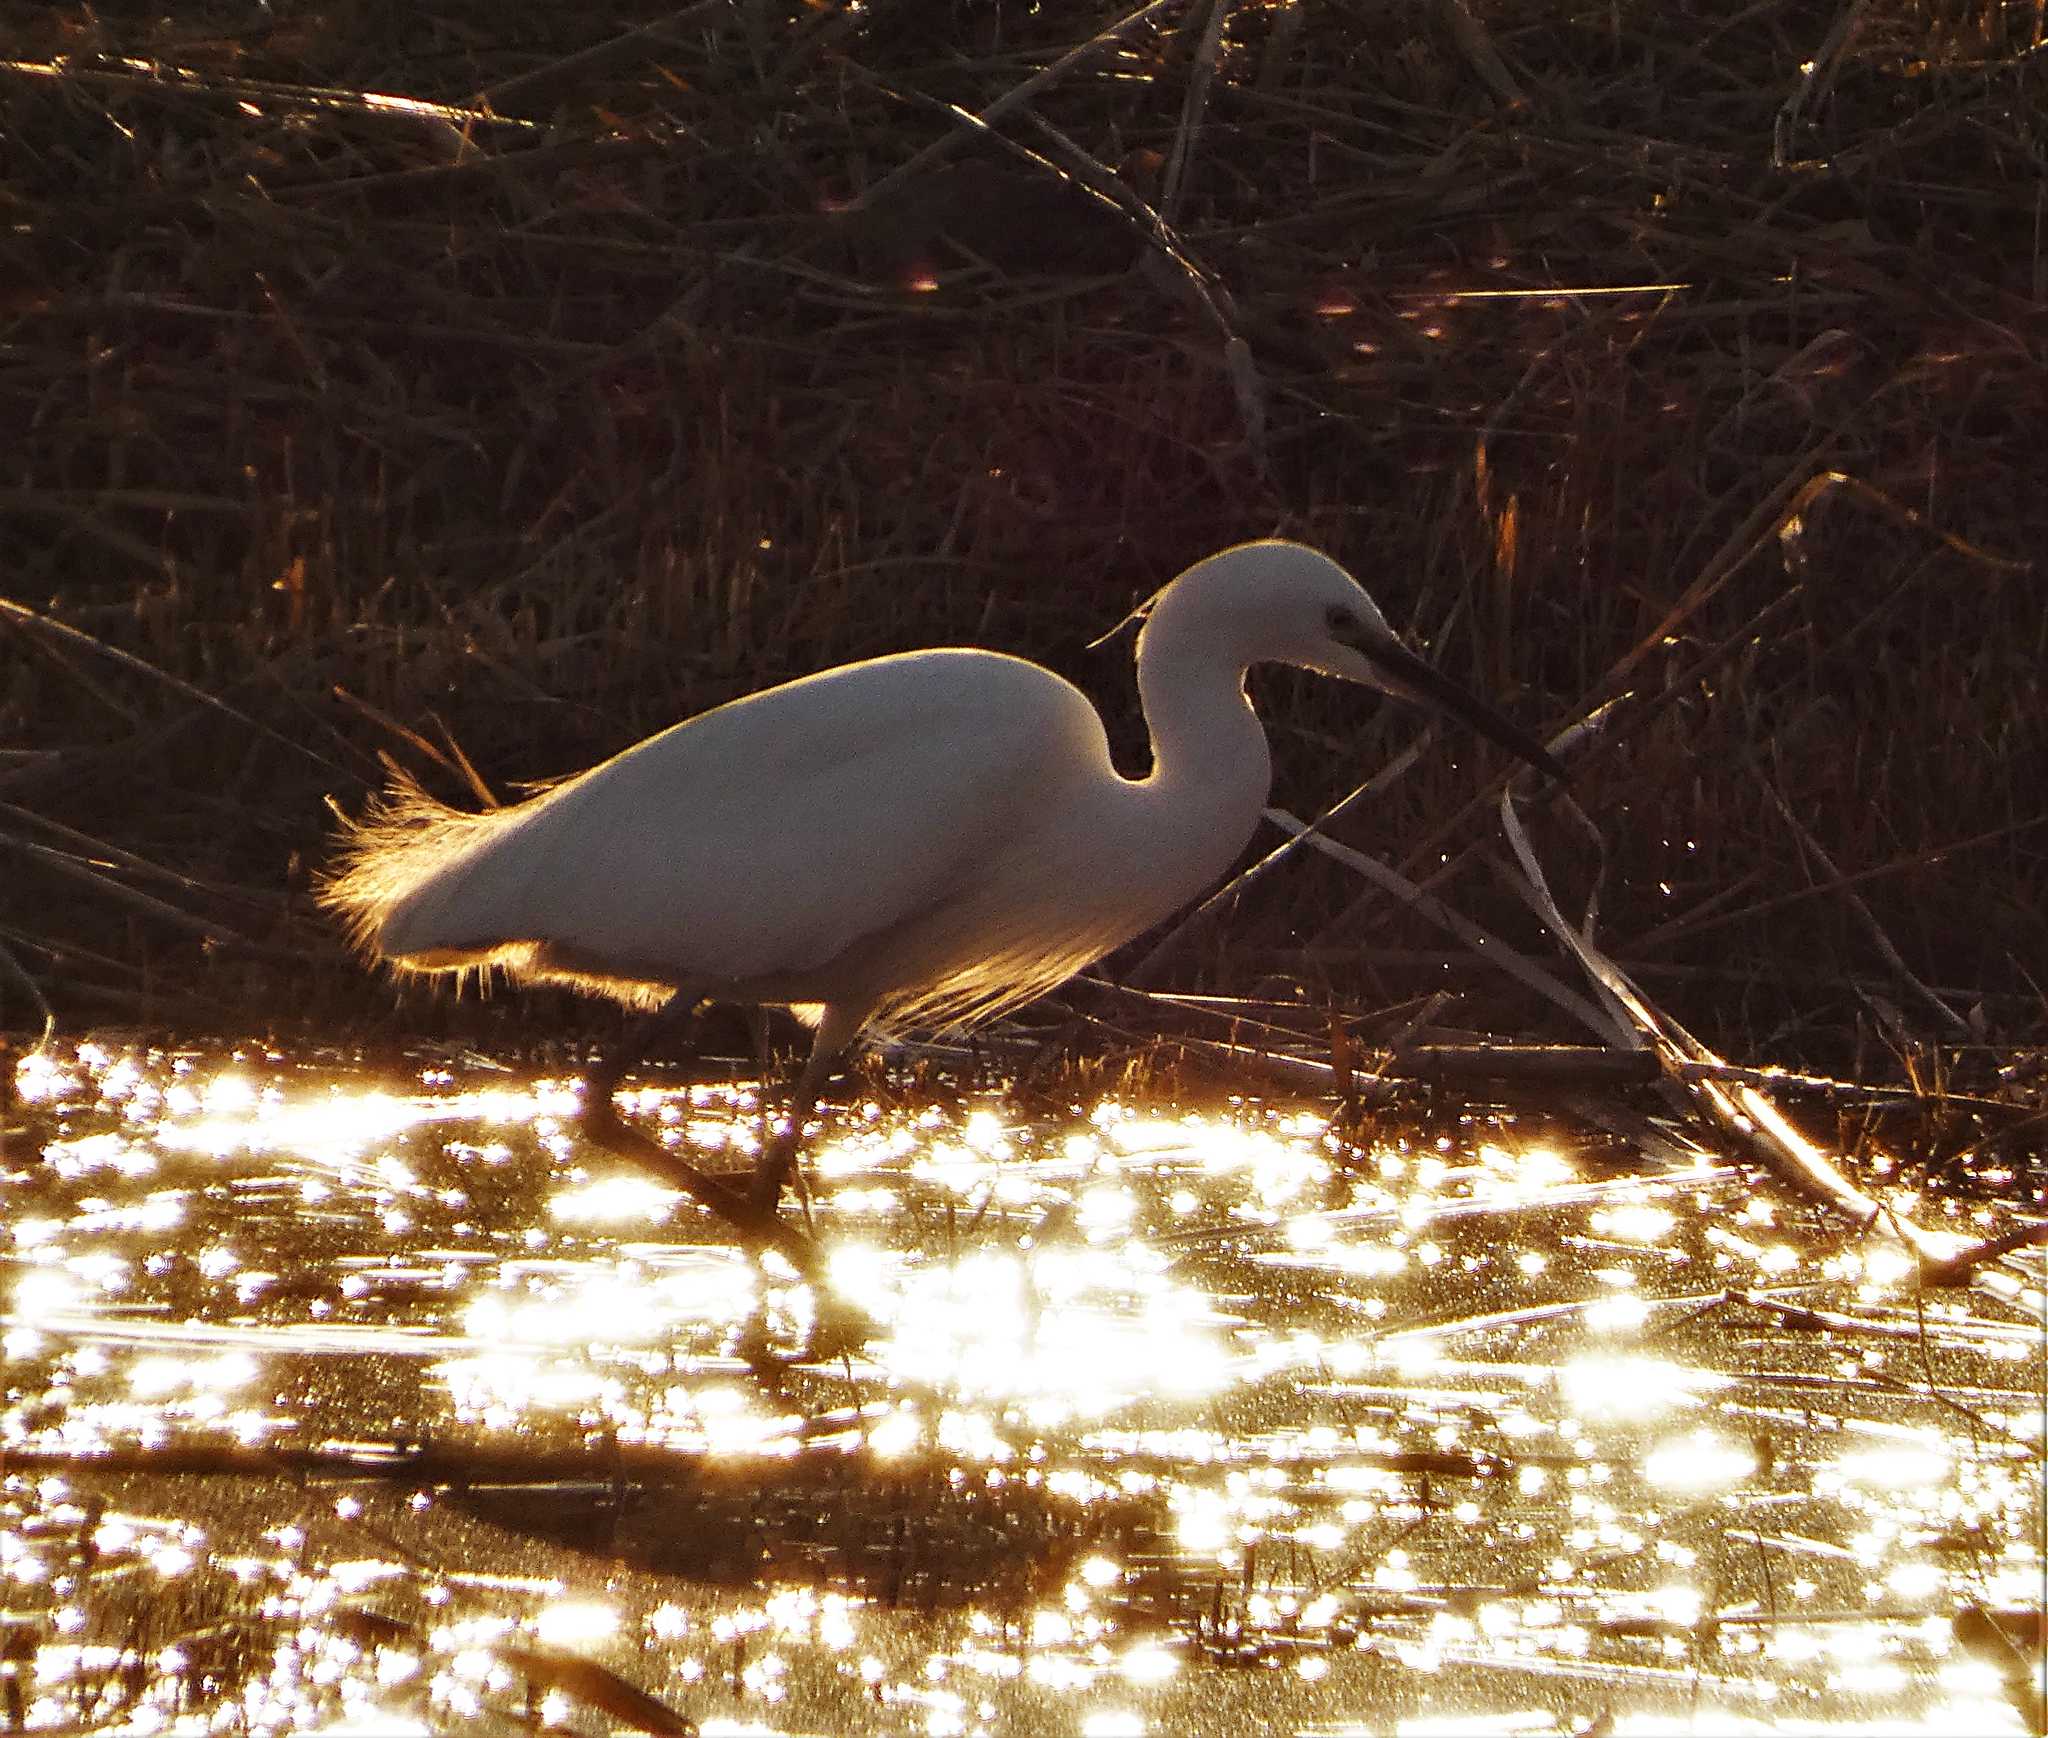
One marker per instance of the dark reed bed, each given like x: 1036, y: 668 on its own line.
x: 485, y: 389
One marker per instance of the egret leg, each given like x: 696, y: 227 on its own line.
x: 778, y: 1151
x: 603, y: 1124
x: 838, y: 1028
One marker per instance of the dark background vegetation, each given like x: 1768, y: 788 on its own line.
x: 1615, y: 352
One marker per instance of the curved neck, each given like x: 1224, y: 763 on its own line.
x: 1211, y: 771
x: 1205, y: 735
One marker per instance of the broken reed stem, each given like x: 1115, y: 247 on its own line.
x: 1741, y: 1113
x: 1476, y: 44
x: 250, y: 96
x: 1180, y: 159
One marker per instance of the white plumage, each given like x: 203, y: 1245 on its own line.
x: 927, y: 838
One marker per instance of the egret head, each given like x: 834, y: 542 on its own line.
x: 1284, y: 603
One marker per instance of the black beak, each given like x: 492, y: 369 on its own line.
x: 1411, y: 676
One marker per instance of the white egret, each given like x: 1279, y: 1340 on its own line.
x: 924, y: 839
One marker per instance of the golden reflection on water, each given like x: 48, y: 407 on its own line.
x: 1163, y: 1422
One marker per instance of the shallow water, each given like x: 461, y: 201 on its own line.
x: 1160, y: 1423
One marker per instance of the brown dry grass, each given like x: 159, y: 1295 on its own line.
x: 536, y: 430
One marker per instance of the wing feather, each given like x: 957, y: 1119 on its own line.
x: 758, y: 842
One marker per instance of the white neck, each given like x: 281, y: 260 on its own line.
x: 1211, y: 770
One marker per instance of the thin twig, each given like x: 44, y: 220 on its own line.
x: 1146, y: 972
x: 542, y: 87
x: 64, y: 864
x: 1014, y: 97
x: 1484, y: 947
x: 1815, y: 77
x: 69, y: 635
x: 1871, y: 927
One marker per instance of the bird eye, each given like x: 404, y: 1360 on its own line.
x: 1340, y: 621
